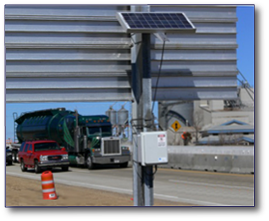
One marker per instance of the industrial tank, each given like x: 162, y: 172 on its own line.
x: 123, y: 116
x: 53, y: 124
x: 112, y: 114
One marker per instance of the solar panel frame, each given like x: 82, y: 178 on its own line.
x: 152, y: 22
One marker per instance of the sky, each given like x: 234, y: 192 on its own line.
x: 245, y: 41
x: 245, y: 56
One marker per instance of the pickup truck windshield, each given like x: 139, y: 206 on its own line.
x: 46, y: 146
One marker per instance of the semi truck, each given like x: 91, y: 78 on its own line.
x: 87, y: 139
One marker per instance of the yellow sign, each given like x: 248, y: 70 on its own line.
x: 176, y: 125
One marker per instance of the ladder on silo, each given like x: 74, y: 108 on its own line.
x: 15, y: 116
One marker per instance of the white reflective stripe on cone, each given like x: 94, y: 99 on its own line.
x: 47, y: 182
x: 48, y: 190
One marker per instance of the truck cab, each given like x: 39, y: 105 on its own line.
x: 100, y: 145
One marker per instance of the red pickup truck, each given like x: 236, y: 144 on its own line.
x: 42, y: 154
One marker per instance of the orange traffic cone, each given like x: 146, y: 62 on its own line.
x: 48, y: 186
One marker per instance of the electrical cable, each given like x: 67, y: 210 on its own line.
x: 159, y: 74
x: 152, y: 174
x: 157, y: 82
x: 247, y: 90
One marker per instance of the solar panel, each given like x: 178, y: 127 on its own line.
x: 150, y: 22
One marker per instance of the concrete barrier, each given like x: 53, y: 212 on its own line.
x: 230, y: 159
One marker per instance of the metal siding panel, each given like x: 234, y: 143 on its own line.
x: 82, y: 95
x: 187, y: 55
x: 207, y: 27
x: 62, y: 26
x: 195, y: 93
x: 67, y: 40
x: 67, y: 54
x: 198, y: 11
x: 46, y: 43
x: 67, y: 83
x: 65, y: 10
x: 52, y: 74
x: 226, y: 41
x: 190, y: 66
x: 194, y: 82
x: 66, y: 66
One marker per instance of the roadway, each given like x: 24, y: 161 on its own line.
x: 191, y: 187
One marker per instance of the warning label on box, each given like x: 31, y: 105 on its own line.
x: 161, y: 140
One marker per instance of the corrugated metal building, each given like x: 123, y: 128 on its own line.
x: 80, y: 53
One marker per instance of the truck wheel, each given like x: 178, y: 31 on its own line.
x: 14, y: 156
x: 65, y: 168
x: 23, y: 168
x: 124, y: 165
x: 89, y: 162
x: 37, y: 168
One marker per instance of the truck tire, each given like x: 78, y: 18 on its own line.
x: 37, y: 168
x: 124, y: 165
x: 89, y: 162
x: 65, y: 168
x: 23, y: 168
x: 14, y: 156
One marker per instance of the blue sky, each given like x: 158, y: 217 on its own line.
x: 245, y: 41
x: 245, y: 56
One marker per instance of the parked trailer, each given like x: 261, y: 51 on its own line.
x: 88, y: 139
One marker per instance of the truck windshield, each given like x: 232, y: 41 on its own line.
x: 46, y: 146
x: 94, y: 130
x: 106, y: 130
x: 99, y: 130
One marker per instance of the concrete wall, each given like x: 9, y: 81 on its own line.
x: 229, y: 159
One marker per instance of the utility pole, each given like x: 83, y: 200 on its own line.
x: 137, y: 114
x: 147, y: 114
x: 142, y: 117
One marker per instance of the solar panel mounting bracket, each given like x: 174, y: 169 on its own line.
x: 161, y: 36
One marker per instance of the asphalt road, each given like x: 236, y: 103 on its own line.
x: 192, y: 187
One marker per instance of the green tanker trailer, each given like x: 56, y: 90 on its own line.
x: 88, y: 139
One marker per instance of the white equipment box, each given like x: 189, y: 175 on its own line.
x: 152, y: 148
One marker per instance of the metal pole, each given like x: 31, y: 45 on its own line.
x: 138, y: 106
x: 148, y: 185
x: 137, y: 111
x: 77, y: 133
x: 147, y: 114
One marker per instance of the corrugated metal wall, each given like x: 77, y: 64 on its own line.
x: 80, y: 53
x: 66, y: 53
x: 201, y: 65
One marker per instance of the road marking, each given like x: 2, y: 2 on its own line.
x: 205, y: 172
x: 189, y: 201
x: 94, y: 186
x: 23, y: 175
x: 212, y: 185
